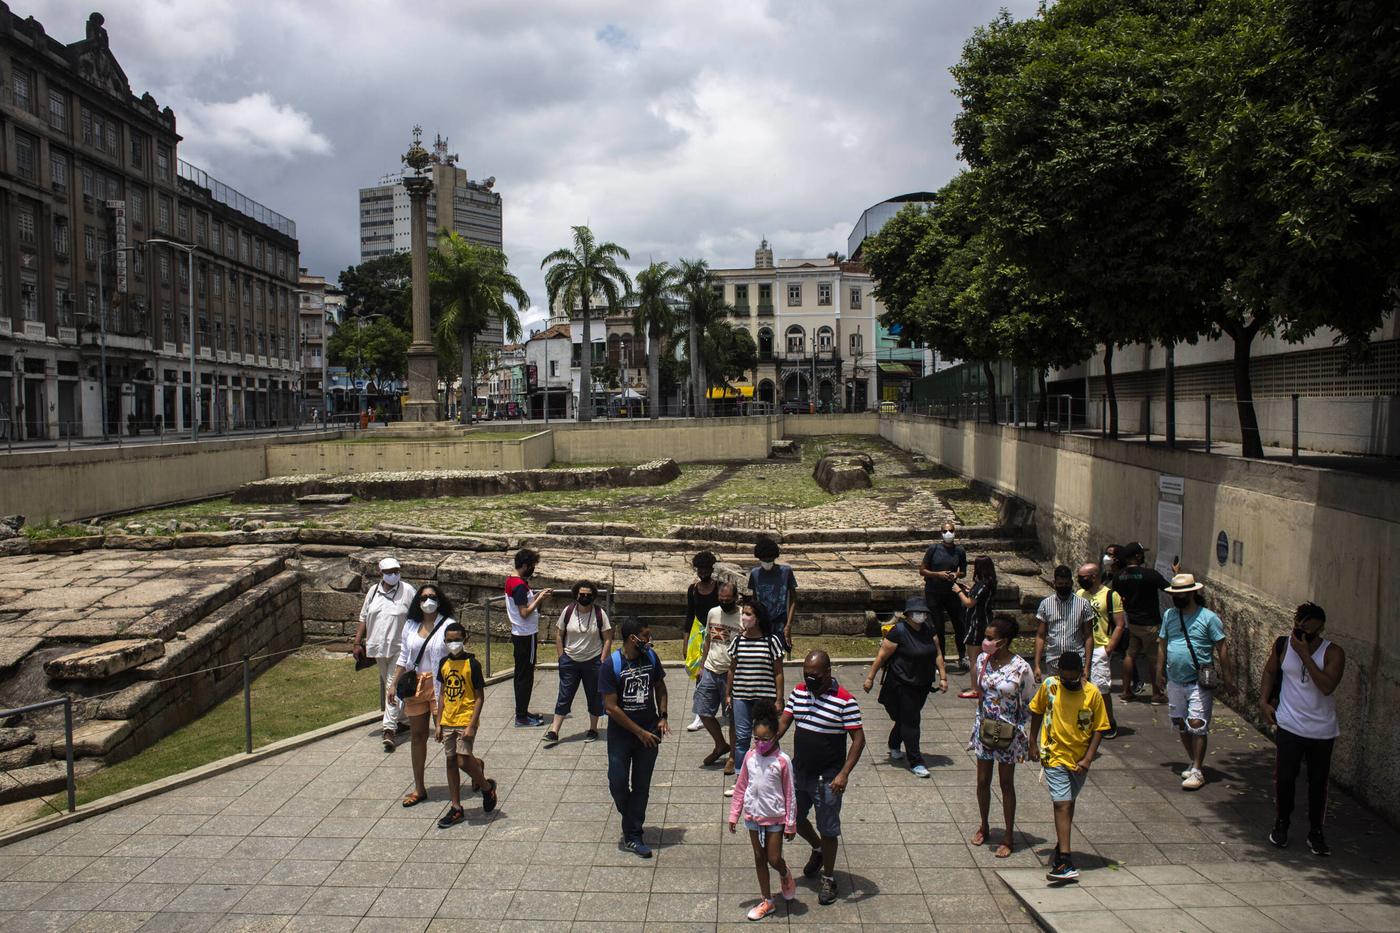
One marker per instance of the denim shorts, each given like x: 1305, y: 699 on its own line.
x: 1064, y: 784
x: 814, y: 790
x: 709, y: 693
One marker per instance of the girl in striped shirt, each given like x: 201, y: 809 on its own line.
x: 755, y: 673
x: 764, y: 794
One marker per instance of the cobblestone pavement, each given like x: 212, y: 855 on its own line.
x: 316, y: 839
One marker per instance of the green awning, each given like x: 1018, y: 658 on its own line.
x: 896, y: 369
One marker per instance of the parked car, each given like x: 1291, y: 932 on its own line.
x: 888, y: 408
x: 797, y: 408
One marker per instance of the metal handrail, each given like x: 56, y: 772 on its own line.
x: 67, y: 704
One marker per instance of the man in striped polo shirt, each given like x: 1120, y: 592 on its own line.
x: 825, y: 713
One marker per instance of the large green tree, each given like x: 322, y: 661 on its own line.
x: 728, y: 352
x: 575, y: 277
x: 364, y: 346
x: 654, y: 321
x: 472, y: 284
x: 380, y: 286
x: 704, y: 308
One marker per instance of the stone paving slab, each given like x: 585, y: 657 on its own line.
x: 315, y: 839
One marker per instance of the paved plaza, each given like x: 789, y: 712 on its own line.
x: 316, y: 839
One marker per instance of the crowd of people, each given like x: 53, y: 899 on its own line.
x: 1053, y: 708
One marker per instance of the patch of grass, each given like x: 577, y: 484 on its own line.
x: 305, y: 691
x: 970, y: 507
x: 48, y: 529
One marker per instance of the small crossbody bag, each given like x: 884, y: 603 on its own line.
x: 994, y: 734
x: 1207, y: 677
x: 407, y: 684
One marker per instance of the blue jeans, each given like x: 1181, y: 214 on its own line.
x: 630, y: 764
x: 743, y: 729
x: 571, y: 674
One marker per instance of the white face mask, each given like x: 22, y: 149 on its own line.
x: 391, y: 580
x: 429, y: 605
x: 947, y: 537
x: 456, y: 647
x: 766, y: 564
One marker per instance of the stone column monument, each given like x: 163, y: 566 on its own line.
x: 421, y: 404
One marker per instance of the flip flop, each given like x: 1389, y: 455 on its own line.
x: 978, y: 838
x: 714, y: 756
x: 1004, y: 850
x: 970, y: 695
x: 413, y: 799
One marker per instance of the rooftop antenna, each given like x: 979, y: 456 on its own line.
x: 440, y: 152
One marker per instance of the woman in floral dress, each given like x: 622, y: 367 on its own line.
x: 1007, y: 684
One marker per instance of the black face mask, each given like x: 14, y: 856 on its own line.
x: 816, y: 686
x: 1076, y: 686
x: 1085, y: 583
x: 1181, y: 602
x: 728, y: 606
x: 1063, y: 590
x: 585, y: 599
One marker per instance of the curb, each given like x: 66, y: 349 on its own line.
x: 184, y: 778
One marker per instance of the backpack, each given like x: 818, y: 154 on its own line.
x: 562, y: 626
x: 617, y: 661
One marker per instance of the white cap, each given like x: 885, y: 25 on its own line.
x: 388, y: 563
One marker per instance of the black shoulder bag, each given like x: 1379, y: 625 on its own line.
x: 407, y: 684
x: 1207, y: 677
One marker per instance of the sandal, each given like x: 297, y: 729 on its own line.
x: 978, y: 838
x: 413, y: 799
x: 970, y: 695
x: 1004, y: 850
x: 715, y: 756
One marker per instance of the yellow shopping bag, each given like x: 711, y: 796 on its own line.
x: 693, y: 644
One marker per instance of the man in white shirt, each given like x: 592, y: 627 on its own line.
x: 380, y: 633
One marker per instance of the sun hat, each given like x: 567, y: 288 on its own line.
x: 1184, y: 583
x: 389, y: 563
x: 915, y: 604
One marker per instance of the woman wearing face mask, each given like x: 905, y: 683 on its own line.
x: 755, y: 673
x: 422, y: 653
x: 1006, y: 684
x: 977, y: 609
x: 583, y: 636
x: 722, y: 626
x: 700, y: 597
x: 911, y: 652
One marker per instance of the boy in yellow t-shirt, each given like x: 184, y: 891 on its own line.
x: 1067, y: 722
x: 460, y: 689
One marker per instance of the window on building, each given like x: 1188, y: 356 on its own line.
x: 113, y: 133
x: 114, y: 188
x: 26, y: 155
x: 215, y: 236
x: 796, y: 339
x: 29, y: 296
x: 184, y: 276
x: 62, y: 239
x: 163, y: 163
x: 232, y: 242
x: 765, y: 295
x: 138, y: 149
x: 245, y: 248
x: 857, y: 346
x: 855, y: 298
x: 201, y: 227
x: 741, y: 296
x: 163, y: 221
x: 553, y: 368
x: 164, y: 269
x: 823, y: 293
x: 89, y: 183
x: 89, y: 244
x: 182, y: 222
x: 794, y: 293
x: 58, y: 172
x: 136, y: 205
x: 91, y: 304
x: 21, y: 86
x: 167, y: 322
x: 63, y: 303
x: 825, y: 339
x: 217, y: 281
x: 58, y: 111
x: 138, y: 261
x: 26, y: 223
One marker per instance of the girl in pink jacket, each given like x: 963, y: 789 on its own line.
x: 763, y: 792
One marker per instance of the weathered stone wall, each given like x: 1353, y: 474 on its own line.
x: 427, y: 484
x: 683, y: 440
x: 1307, y: 534
x: 264, y: 620
x: 864, y: 422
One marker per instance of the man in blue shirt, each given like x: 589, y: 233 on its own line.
x: 633, y: 685
x: 1194, y: 639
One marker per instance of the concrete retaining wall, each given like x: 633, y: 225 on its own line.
x: 682, y: 440
x: 68, y: 484
x: 865, y: 422
x: 1305, y: 533
x: 533, y: 452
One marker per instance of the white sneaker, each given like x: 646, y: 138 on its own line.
x: 729, y: 791
x: 896, y: 754
x: 1193, y: 781
x: 695, y: 726
x: 1187, y: 773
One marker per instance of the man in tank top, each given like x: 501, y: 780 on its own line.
x: 1296, y: 695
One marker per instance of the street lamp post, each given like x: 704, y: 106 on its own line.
x: 102, y: 324
x: 194, y: 376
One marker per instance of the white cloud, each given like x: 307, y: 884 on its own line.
x: 254, y: 125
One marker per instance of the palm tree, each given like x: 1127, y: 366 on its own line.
x: 576, y: 276
x: 654, y: 321
x: 472, y: 284
x: 704, y: 306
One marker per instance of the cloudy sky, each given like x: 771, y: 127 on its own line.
x: 672, y: 127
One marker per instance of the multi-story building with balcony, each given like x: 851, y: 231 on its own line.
x: 815, y: 322
x: 320, y: 306
x: 100, y: 301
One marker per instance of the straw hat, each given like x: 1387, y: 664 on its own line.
x: 1184, y: 583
